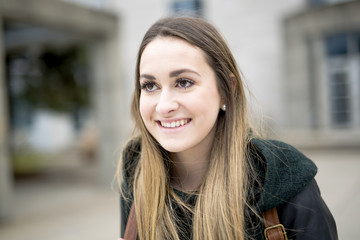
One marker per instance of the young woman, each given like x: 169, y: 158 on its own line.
x: 195, y: 169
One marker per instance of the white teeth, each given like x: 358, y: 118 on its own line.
x: 174, y: 124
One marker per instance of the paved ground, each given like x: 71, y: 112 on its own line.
x: 339, y: 181
x: 63, y: 206
x: 71, y: 206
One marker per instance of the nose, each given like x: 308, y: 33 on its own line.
x: 167, y: 102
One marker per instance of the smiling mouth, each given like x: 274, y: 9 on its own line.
x: 174, y: 124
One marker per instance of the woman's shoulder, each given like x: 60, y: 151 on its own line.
x: 286, y: 172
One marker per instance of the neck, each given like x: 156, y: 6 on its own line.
x: 188, y: 173
x: 189, y: 167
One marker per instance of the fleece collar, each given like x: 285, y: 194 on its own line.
x: 287, y: 173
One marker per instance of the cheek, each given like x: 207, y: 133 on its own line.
x: 145, y: 109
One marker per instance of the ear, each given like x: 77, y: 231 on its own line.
x: 223, y: 99
x: 233, y: 79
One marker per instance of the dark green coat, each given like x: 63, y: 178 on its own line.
x: 287, y: 183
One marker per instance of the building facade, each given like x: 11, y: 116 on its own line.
x: 322, y: 74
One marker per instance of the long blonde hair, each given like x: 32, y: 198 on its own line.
x: 220, y: 217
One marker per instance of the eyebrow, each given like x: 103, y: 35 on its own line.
x: 172, y: 74
x: 147, y: 76
x: 180, y: 71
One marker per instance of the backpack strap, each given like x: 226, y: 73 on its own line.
x: 131, y: 225
x: 273, y: 229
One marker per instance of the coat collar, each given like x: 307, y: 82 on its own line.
x: 287, y: 172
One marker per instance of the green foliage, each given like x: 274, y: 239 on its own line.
x: 58, y: 81
x: 28, y: 162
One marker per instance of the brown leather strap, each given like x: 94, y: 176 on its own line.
x: 273, y: 229
x: 131, y: 225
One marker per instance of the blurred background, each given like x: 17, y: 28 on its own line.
x: 66, y: 77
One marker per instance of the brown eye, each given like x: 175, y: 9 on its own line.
x: 184, y: 83
x: 149, y: 86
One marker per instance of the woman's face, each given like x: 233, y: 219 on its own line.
x: 179, y: 100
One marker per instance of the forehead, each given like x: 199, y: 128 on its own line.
x: 168, y: 49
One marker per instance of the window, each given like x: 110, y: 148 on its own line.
x: 316, y: 2
x: 189, y: 7
x: 323, y: 2
x: 336, y: 45
x: 340, y: 99
x: 343, y: 71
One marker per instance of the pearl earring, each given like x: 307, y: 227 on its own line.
x: 223, y: 107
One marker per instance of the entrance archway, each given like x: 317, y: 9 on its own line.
x: 59, y: 22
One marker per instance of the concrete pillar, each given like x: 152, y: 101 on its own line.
x: 111, y: 103
x: 5, y: 166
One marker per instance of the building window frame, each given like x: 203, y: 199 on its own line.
x: 343, y: 79
x: 187, y: 7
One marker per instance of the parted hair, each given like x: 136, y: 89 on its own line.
x: 220, y: 217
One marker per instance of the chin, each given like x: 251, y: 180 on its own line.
x: 173, y: 148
